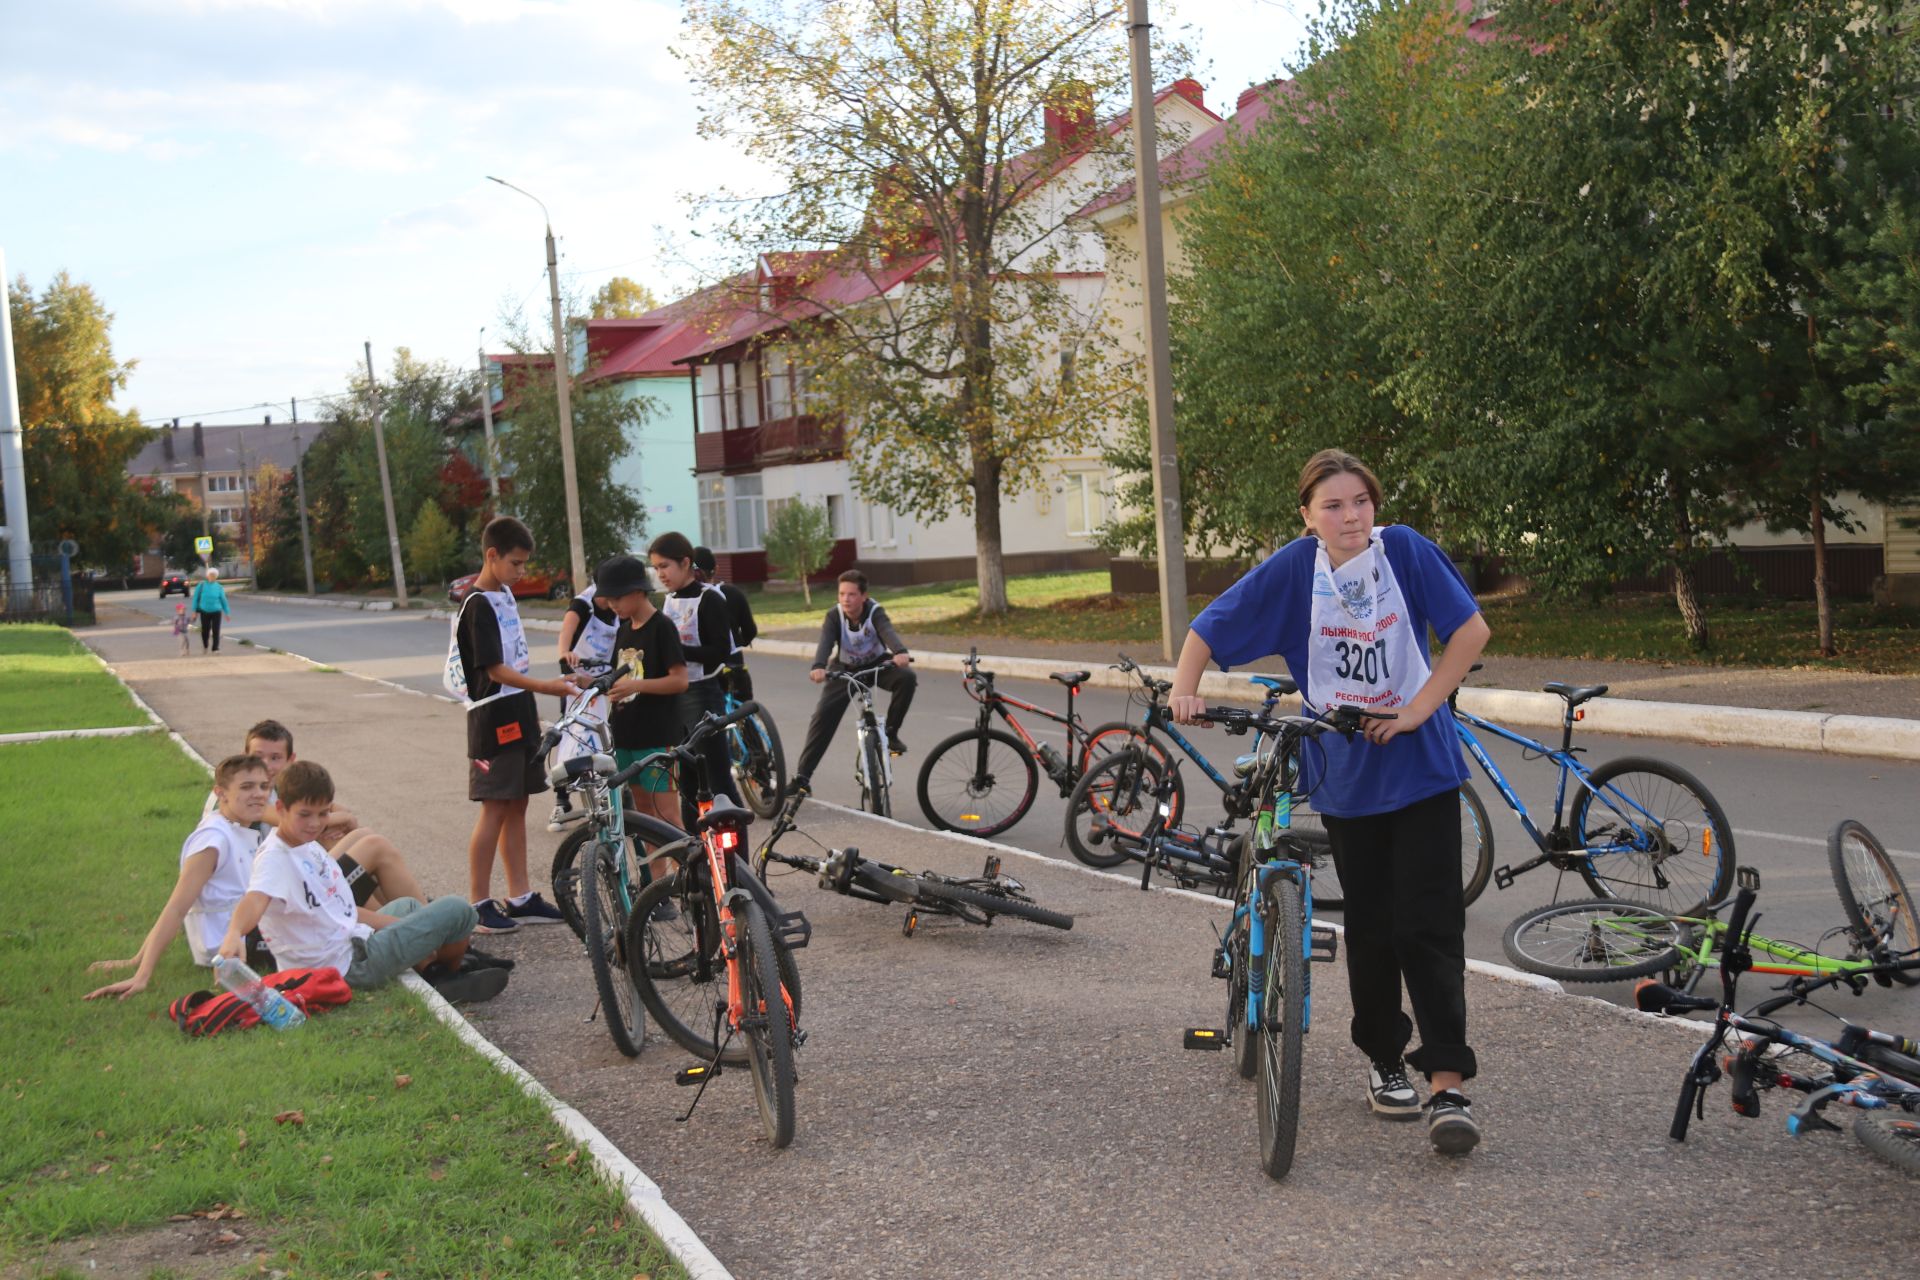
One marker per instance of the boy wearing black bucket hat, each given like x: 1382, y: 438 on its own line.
x: 647, y: 650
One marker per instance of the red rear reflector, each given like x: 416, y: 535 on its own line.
x: 727, y: 838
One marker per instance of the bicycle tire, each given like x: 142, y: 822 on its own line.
x: 1476, y: 855
x: 1282, y: 1025
x: 1895, y: 1139
x: 764, y: 1025
x: 1694, y: 837
x: 1121, y: 790
x: 762, y: 776
x: 1596, y: 940
x: 994, y: 904
x: 874, y: 797
x: 679, y: 966
x: 965, y: 775
x: 1246, y: 1041
x: 605, y: 918
x: 651, y: 834
x: 1118, y: 735
x: 1877, y: 902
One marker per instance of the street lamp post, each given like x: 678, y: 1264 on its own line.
x: 562, y: 384
x: 486, y: 417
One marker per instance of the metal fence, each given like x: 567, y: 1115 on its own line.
x: 46, y: 602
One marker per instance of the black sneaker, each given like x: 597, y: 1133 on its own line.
x: 664, y: 912
x: 897, y: 746
x: 535, y: 910
x: 478, y: 959
x: 493, y: 917
x: 1450, y: 1125
x: 800, y: 786
x: 469, y: 986
x: 1390, y: 1093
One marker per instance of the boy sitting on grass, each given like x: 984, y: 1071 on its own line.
x: 216, y: 866
x: 306, y: 911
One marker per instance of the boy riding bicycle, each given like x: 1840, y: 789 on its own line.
x: 859, y: 628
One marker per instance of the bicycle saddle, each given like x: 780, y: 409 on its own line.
x: 1280, y: 684
x: 1576, y: 695
x: 1072, y: 679
x: 724, y: 812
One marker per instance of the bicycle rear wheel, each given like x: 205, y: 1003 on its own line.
x: 992, y: 903
x: 978, y: 782
x: 1118, y: 794
x: 1894, y: 1138
x: 1875, y: 898
x: 604, y: 915
x: 1596, y: 940
x: 679, y: 964
x: 764, y: 1025
x: 759, y: 764
x: 645, y: 836
x: 1283, y: 1012
x: 1118, y: 735
x: 1654, y: 835
x: 1476, y: 845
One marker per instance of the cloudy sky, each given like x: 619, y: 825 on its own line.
x: 256, y: 187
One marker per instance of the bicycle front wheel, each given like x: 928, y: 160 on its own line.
x: 1118, y: 735
x: 1283, y: 1015
x: 1875, y: 898
x: 645, y: 836
x: 978, y: 782
x: 1653, y: 835
x: 679, y: 965
x: 1895, y: 1139
x: 765, y: 1025
x: 759, y: 764
x: 874, y: 790
x: 1596, y: 940
x: 604, y: 916
x: 993, y: 904
x: 1110, y: 809
x: 1246, y: 1042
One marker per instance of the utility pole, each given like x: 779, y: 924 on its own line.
x: 386, y: 487
x: 562, y: 385
x: 300, y: 492
x: 1169, y: 527
x: 486, y: 417
x: 246, y: 493
x: 13, y: 464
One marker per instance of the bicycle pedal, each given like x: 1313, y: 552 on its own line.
x: 696, y: 1074
x: 1323, y: 944
x: 993, y: 867
x: 1205, y: 1038
x: 1222, y: 966
x: 1503, y: 877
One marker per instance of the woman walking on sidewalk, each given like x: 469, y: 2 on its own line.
x: 1348, y: 607
x: 210, y: 602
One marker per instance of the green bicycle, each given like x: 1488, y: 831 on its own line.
x: 1611, y: 939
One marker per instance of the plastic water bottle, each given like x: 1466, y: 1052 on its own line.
x: 274, y: 1008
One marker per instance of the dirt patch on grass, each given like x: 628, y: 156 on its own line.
x: 196, y: 1249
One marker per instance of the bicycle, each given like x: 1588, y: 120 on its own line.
x: 754, y: 752
x: 712, y: 920
x: 1610, y: 940
x: 983, y: 780
x: 1874, y: 1071
x: 1113, y: 792
x: 596, y: 894
x: 1635, y: 825
x: 973, y: 899
x: 1271, y: 938
x: 872, y: 761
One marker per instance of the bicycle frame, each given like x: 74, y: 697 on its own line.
x: 1795, y: 961
x: 866, y: 724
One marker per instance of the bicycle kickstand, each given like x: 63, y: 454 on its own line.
x: 700, y: 1075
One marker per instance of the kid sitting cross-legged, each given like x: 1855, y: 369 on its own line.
x: 307, y: 914
x: 216, y: 863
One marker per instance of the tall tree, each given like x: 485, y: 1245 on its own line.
x: 76, y: 443
x: 533, y: 487
x: 621, y: 299
x: 911, y: 151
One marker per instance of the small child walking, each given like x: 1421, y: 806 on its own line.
x: 180, y: 625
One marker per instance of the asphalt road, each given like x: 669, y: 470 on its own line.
x: 1781, y: 803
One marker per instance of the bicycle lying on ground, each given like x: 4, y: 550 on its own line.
x: 1265, y: 951
x: 1609, y: 940
x: 1874, y: 1071
x: 1639, y: 828
x: 710, y: 952
x: 973, y: 899
x: 983, y: 780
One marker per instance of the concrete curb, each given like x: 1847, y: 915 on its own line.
x: 1880, y: 737
x: 643, y: 1194
x: 369, y: 606
x: 46, y: 735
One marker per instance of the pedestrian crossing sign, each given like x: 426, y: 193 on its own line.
x: 203, y: 546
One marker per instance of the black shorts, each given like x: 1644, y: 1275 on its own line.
x: 362, y: 881
x: 511, y: 775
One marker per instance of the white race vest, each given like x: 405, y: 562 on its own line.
x: 594, y: 644
x: 1363, y: 650
x: 513, y: 643
x: 862, y: 647
x: 684, y: 613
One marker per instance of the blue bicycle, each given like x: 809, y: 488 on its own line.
x: 754, y: 754
x: 1264, y: 953
x: 1639, y: 827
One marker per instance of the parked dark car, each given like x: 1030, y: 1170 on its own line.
x: 535, y: 584
x: 173, y: 582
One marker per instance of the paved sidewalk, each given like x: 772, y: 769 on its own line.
x: 1015, y: 1100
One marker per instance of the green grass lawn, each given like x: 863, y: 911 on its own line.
x: 52, y: 682
x: 1046, y: 606
x: 113, y: 1121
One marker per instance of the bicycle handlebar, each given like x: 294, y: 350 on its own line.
x: 704, y: 728
x: 1345, y: 720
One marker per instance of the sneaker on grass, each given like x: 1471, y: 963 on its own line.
x: 534, y: 909
x: 1390, y: 1093
x: 493, y: 918
x: 1450, y: 1125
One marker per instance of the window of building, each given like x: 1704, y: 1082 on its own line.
x: 713, y: 512
x: 749, y: 514
x: 712, y: 416
x: 223, y: 484
x: 749, y: 394
x: 879, y: 525
x: 779, y: 379
x: 1086, y: 503
x: 225, y: 516
x: 837, y: 515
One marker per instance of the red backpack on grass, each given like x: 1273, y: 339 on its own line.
x: 312, y: 991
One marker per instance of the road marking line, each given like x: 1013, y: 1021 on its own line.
x: 1784, y: 838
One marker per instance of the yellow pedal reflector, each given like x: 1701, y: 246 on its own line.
x: 969, y: 817
x: 1204, y: 1038
x: 691, y: 1075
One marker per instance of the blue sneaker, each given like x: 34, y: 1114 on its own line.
x: 492, y: 918
x: 535, y: 910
